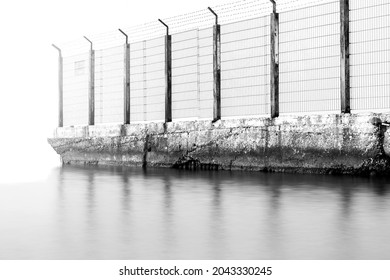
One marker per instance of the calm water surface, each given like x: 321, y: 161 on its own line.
x: 130, y: 213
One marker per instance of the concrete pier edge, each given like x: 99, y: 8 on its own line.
x: 357, y: 144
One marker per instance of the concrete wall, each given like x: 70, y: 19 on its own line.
x: 348, y: 144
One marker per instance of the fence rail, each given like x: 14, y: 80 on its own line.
x: 296, y: 61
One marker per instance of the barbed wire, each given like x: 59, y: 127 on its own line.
x: 201, y: 19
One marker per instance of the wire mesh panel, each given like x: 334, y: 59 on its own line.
x: 370, y: 54
x: 154, y: 85
x: 137, y: 82
x: 109, y: 85
x: 309, y: 65
x: 75, y: 96
x: 245, y: 81
x: 185, y: 75
x: 205, y: 74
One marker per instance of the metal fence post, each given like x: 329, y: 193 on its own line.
x: 126, y: 81
x: 216, y: 68
x: 344, y: 44
x: 168, y: 75
x: 91, y: 85
x: 60, y: 88
x: 274, y: 62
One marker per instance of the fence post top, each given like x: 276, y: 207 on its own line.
x: 273, y: 5
x: 127, y: 37
x: 215, y: 14
x: 57, y: 48
x: 164, y: 25
x: 89, y: 42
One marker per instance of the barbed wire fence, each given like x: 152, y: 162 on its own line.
x: 201, y: 19
x: 309, y: 63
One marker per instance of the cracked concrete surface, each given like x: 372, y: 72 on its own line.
x: 347, y: 144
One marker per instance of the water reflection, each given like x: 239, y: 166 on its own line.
x: 134, y: 213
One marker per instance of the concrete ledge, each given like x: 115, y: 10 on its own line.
x: 346, y: 144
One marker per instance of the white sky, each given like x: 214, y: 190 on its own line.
x: 28, y: 67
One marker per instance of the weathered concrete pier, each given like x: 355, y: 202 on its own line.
x: 293, y: 90
x: 325, y: 144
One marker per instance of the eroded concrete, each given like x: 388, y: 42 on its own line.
x: 338, y: 144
